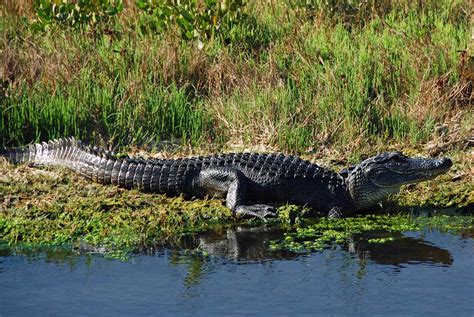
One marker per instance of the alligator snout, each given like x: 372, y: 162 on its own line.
x: 445, y: 162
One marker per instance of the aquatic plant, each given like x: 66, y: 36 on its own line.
x: 327, y: 233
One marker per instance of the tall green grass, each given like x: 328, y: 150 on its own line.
x: 283, y: 78
x: 92, y: 113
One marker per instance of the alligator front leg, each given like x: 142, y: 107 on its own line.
x: 335, y: 213
x: 232, y: 184
x: 261, y: 211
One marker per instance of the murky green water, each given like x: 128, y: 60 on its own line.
x: 415, y: 275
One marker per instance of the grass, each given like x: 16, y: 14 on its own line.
x: 282, y: 78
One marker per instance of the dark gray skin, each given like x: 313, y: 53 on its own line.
x: 250, y: 183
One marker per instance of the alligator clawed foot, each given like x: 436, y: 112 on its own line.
x: 335, y: 213
x: 259, y: 210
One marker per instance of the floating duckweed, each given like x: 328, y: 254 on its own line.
x: 330, y: 232
x: 381, y: 240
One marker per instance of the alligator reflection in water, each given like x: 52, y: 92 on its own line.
x: 404, y: 250
x: 243, y: 243
x: 252, y: 244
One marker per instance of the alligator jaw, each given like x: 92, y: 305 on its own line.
x: 374, y: 179
x: 396, y: 173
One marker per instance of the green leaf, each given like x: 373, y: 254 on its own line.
x: 186, y: 14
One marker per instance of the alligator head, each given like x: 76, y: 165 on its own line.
x: 374, y: 179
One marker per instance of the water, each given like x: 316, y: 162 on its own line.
x: 416, y: 275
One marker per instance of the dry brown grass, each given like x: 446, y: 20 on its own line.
x: 263, y: 97
x: 17, y: 8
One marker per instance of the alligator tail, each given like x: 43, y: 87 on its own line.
x: 91, y: 162
x: 54, y: 152
x: 101, y: 166
x: 12, y: 155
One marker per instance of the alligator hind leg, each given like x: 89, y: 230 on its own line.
x: 232, y: 184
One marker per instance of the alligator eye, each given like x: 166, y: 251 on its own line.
x: 398, y: 157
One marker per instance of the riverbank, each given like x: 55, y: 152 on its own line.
x: 55, y: 207
x: 332, y: 83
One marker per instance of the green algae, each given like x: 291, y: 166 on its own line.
x: 326, y: 233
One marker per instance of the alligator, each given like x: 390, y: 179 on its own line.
x: 251, y: 183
